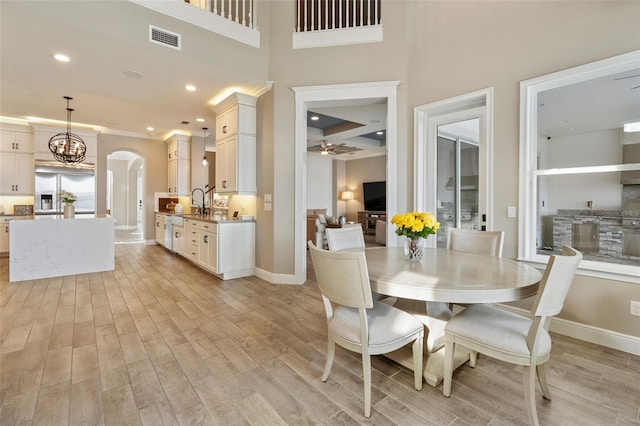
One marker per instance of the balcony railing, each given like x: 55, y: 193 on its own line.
x: 318, y: 15
x: 236, y: 19
x: 335, y: 22
x: 238, y: 11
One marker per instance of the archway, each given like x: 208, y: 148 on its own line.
x: 125, y: 172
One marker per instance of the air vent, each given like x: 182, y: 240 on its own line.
x: 185, y: 123
x: 164, y: 37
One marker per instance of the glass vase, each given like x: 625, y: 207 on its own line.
x: 413, y: 249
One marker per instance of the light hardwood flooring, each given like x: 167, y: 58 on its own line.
x: 158, y: 341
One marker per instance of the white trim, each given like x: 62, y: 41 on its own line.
x: 149, y: 242
x: 339, y: 92
x: 529, y: 90
x: 276, y: 278
x: 426, y: 118
x: 204, y: 19
x: 337, y: 37
x: 587, y: 333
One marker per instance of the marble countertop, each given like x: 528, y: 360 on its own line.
x: 55, y: 216
x: 213, y: 218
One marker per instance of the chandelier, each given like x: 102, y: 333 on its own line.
x: 68, y: 148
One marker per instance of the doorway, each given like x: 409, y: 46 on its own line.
x: 125, y: 172
x: 307, y: 97
x: 458, y: 148
x: 453, y: 153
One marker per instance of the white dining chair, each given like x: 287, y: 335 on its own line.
x: 358, y: 323
x: 513, y: 338
x: 349, y: 238
x: 473, y: 241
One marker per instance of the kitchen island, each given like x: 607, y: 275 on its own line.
x: 53, y: 246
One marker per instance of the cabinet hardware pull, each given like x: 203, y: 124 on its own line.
x: 17, y: 146
x: 206, y: 239
x: 224, y: 129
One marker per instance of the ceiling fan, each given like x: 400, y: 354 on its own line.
x: 325, y: 148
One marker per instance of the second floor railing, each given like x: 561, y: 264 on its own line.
x: 320, y: 15
x: 242, y: 12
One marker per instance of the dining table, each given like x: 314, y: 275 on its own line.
x: 442, y: 282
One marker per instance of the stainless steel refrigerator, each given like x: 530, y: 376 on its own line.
x: 52, y: 178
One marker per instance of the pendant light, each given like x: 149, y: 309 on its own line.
x: 68, y: 148
x: 204, y: 152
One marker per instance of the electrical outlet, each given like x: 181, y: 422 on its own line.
x: 635, y: 308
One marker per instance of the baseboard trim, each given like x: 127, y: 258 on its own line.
x: 600, y: 336
x: 149, y: 242
x: 276, y: 278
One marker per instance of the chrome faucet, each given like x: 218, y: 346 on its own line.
x: 201, y: 209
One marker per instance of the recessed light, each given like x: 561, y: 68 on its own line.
x: 380, y: 133
x: 132, y: 73
x: 190, y: 87
x: 200, y: 120
x: 151, y: 129
x: 61, y: 57
x: 315, y: 118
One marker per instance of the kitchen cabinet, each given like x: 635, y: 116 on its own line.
x: 161, y: 228
x: 16, y: 174
x: 179, y: 165
x: 191, y: 241
x: 16, y: 162
x: 236, y: 145
x: 12, y: 141
x: 4, y: 235
x: 178, y: 239
x: 226, y: 249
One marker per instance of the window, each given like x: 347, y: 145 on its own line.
x: 580, y: 174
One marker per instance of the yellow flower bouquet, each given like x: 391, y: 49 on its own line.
x: 415, y: 224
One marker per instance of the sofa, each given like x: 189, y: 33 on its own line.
x: 381, y: 232
x: 316, y: 222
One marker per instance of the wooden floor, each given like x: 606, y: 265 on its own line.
x: 158, y: 341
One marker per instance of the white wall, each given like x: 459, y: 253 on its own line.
x: 439, y: 50
x: 321, y: 190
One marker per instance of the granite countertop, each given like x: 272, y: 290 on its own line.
x: 596, y: 214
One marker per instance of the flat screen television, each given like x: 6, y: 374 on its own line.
x: 375, y: 196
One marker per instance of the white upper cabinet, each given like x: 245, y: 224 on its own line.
x: 236, y: 145
x: 179, y: 165
x: 16, y: 161
x: 11, y: 141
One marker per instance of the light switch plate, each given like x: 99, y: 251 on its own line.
x: 267, y: 207
x: 267, y: 198
x: 511, y: 211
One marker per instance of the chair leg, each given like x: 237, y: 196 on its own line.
x: 417, y: 360
x: 530, y: 393
x: 542, y: 379
x: 449, y: 350
x: 473, y: 359
x: 366, y: 372
x: 331, y: 351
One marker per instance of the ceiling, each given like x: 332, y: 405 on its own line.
x: 599, y: 104
x: 355, y: 129
x: 121, y: 83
